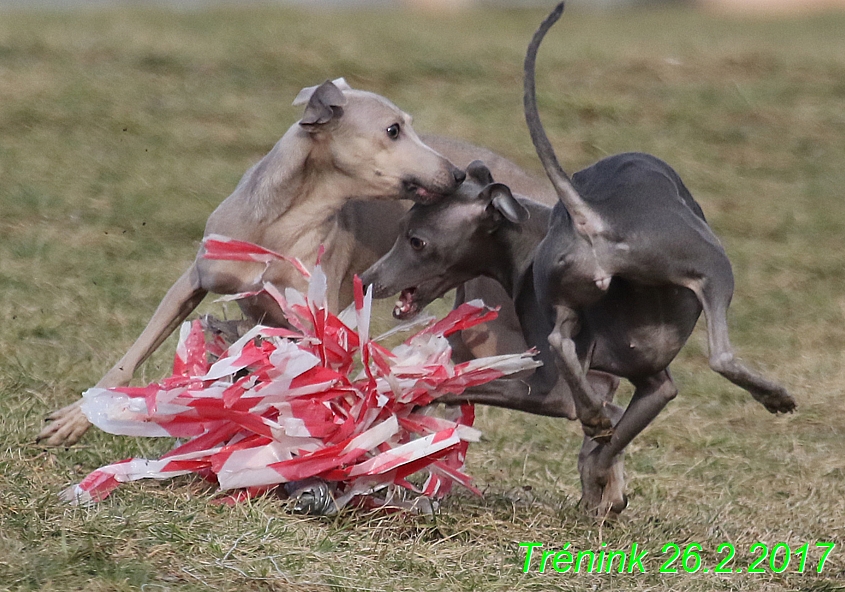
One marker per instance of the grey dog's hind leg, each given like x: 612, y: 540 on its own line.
x: 715, y: 296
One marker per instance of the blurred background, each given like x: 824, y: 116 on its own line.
x: 740, y: 6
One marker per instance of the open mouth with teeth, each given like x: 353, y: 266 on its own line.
x: 407, y: 306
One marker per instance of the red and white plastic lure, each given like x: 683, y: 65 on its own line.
x: 321, y: 400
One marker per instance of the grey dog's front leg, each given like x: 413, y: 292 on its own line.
x: 602, y: 490
x: 600, y: 465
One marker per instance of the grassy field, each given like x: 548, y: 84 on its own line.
x: 121, y: 130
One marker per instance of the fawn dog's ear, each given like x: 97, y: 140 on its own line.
x: 305, y: 94
x: 325, y: 103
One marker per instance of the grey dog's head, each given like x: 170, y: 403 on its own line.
x: 445, y: 244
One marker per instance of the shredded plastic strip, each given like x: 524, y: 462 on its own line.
x: 319, y: 400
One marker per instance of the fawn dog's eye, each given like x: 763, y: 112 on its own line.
x: 393, y: 131
x: 417, y: 244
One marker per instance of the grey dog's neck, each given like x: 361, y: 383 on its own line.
x: 519, y: 241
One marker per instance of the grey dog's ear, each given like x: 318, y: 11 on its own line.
x: 503, y: 202
x: 479, y: 172
x: 324, y: 104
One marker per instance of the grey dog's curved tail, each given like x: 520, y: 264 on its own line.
x: 587, y: 222
x: 532, y: 116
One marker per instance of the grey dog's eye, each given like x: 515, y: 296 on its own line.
x: 393, y: 131
x: 417, y: 244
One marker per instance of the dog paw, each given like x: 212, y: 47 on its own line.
x: 598, y: 427
x: 606, y: 508
x: 776, y: 401
x: 602, y: 489
x: 66, y: 426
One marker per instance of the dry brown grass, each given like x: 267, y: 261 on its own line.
x: 121, y: 130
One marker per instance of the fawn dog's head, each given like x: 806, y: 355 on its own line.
x: 372, y: 143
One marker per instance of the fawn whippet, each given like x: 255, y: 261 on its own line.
x: 348, y: 144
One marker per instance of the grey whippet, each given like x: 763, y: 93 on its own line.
x: 612, y: 279
x: 349, y: 144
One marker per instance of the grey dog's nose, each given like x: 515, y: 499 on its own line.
x: 458, y: 175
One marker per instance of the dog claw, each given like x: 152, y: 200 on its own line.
x: 602, y: 437
x: 598, y: 428
x: 603, y: 284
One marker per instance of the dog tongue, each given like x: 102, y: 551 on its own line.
x: 426, y: 196
x: 405, y: 305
